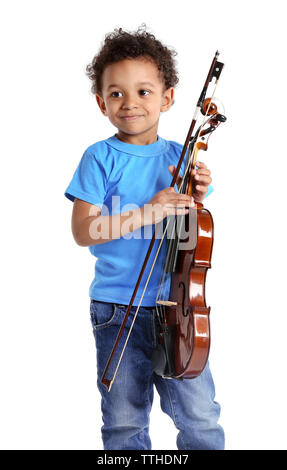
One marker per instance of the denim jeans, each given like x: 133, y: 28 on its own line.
x: 126, y: 408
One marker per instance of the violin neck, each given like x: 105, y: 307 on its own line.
x: 186, y: 187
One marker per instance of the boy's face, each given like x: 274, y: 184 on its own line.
x: 133, y: 97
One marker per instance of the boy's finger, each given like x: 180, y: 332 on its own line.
x: 201, y: 165
x: 203, y: 179
x: 201, y: 189
x: 203, y: 171
x: 172, y: 170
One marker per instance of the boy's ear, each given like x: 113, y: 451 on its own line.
x: 167, y: 99
x: 101, y: 104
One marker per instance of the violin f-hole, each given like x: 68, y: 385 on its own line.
x: 185, y: 314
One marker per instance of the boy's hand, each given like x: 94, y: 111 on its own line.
x: 164, y: 203
x: 201, y: 180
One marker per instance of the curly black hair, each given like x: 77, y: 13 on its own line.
x: 121, y: 44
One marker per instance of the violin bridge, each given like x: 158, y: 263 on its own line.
x: 167, y: 303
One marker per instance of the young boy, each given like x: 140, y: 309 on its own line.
x: 120, y: 190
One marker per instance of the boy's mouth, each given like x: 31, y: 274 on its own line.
x: 130, y: 118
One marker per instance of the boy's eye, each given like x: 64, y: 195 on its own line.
x: 116, y: 94
x: 119, y: 94
x: 144, y: 92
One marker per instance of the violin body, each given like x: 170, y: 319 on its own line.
x: 187, y: 317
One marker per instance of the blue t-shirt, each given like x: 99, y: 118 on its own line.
x: 117, y: 177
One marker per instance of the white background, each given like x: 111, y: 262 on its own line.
x: 49, y: 398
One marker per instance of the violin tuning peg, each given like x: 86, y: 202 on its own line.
x: 220, y: 118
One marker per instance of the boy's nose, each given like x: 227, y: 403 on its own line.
x: 129, y: 102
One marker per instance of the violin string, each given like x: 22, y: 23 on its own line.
x: 158, y: 250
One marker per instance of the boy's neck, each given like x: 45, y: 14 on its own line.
x: 137, y: 139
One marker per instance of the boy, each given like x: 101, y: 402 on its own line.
x: 120, y: 190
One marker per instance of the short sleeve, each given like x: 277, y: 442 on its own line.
x: 89, y: 180
x: 210, y: 190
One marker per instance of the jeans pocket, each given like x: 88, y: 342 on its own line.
x: 103, y: 314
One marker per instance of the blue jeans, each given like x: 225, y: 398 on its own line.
x: 126, y: 408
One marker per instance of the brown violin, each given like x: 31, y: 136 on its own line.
x: 184, y: 333
x: 184, y: 337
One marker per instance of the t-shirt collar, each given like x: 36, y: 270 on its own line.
x: 149, y: 150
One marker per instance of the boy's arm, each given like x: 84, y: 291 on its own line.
x: 90, y: 228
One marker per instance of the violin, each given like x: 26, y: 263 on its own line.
x: 183, y: 316
x: 184, y: 337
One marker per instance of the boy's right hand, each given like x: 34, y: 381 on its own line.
x: 164, y: 203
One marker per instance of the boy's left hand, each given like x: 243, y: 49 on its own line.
x: 201, y: 180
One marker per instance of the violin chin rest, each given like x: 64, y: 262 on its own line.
x: 158, y: 360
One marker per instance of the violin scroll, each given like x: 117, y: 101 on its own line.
x: 208, y: 108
